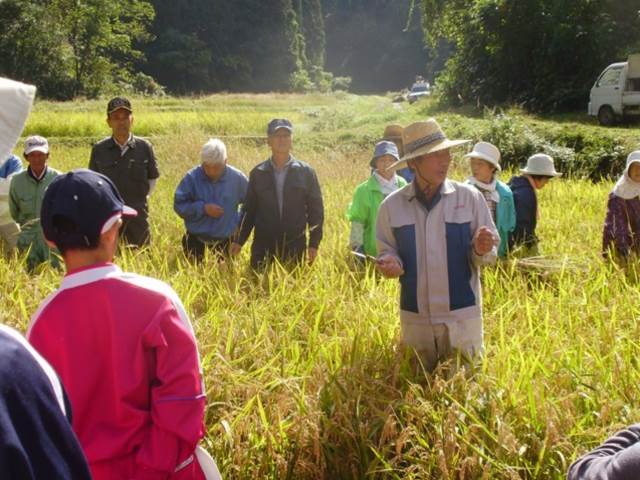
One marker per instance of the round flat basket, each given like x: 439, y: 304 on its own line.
x: 549, y: 264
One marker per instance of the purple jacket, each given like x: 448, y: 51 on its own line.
x: 621, y: 226
x: 616, y: 459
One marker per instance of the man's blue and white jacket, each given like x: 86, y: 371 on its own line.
x: 441, y: 281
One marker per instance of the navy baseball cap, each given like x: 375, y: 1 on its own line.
x: 278, y: 123
x: 118, y: 103
x: 78, y: 207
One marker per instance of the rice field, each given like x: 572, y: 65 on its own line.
x: 304, y: 376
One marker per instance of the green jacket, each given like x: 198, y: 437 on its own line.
x: 25, y: 201
x: 364, y: 209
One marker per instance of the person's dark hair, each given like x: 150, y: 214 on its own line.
x: 540, y: 177
x: 69, y: 236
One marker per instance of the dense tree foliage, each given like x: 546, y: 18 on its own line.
x: 72, y: 47
x: 544, y: 54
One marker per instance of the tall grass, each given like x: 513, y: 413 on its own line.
x: 303, y: 371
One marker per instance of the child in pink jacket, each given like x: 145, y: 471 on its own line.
x: 121, y: 343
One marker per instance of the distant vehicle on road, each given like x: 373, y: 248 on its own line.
x: 616, y: 93
x: 419, y: 90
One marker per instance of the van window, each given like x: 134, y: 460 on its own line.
x: 633, y: 85
x: 610, y: 78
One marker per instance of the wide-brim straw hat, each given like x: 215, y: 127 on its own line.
x: 540, y: 164
x: 486, y: 151
x: 422, y: 138
x: 393, y: 132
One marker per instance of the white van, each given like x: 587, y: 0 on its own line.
x: 616, y: 93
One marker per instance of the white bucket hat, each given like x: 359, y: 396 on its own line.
x: 421, y: 138
x: 486, y: 151
x: 540, y: 164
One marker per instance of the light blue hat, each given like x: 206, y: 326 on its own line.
x: 384, y: 148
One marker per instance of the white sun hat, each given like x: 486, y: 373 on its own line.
x: 540, y: 164
x: 486, y: 151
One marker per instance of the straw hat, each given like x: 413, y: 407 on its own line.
x: 393, y: 132
x: 422, y: 138
x: 486, y: 151
x: 540, y: 164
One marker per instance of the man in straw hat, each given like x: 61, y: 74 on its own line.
x: 434, y: 234
x: 393, y: 133
x: 539, y: 170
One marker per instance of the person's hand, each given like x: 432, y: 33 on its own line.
x: 234, y: 249
x: 312, y: 253
x: 213, y: 210
x: 389, y: 266
x: 483, y: 241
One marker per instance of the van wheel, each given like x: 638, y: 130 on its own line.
x: 606, y: 116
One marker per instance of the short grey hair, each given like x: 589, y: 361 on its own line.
x: 213, y: 152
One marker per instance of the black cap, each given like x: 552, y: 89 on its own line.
x: 77, y: 207
x: 118, y: 103
x: 278, y: 123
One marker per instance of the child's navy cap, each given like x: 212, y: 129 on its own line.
x: 78, y: 207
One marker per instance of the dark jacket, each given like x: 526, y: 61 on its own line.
x: 284, y: 238
x: 526, y: 203
x: 616, y: 459
x: 130, y: 172
x: 36, y: 439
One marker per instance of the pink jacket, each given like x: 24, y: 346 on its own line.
x: 125, y: 350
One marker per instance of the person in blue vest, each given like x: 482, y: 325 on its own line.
x: 208, y: 200
x: 484, y: 161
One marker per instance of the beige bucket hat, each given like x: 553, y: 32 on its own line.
x: 421, y: 138
x: 540, y: 164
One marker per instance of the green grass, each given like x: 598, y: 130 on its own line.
x: 304, y: 375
